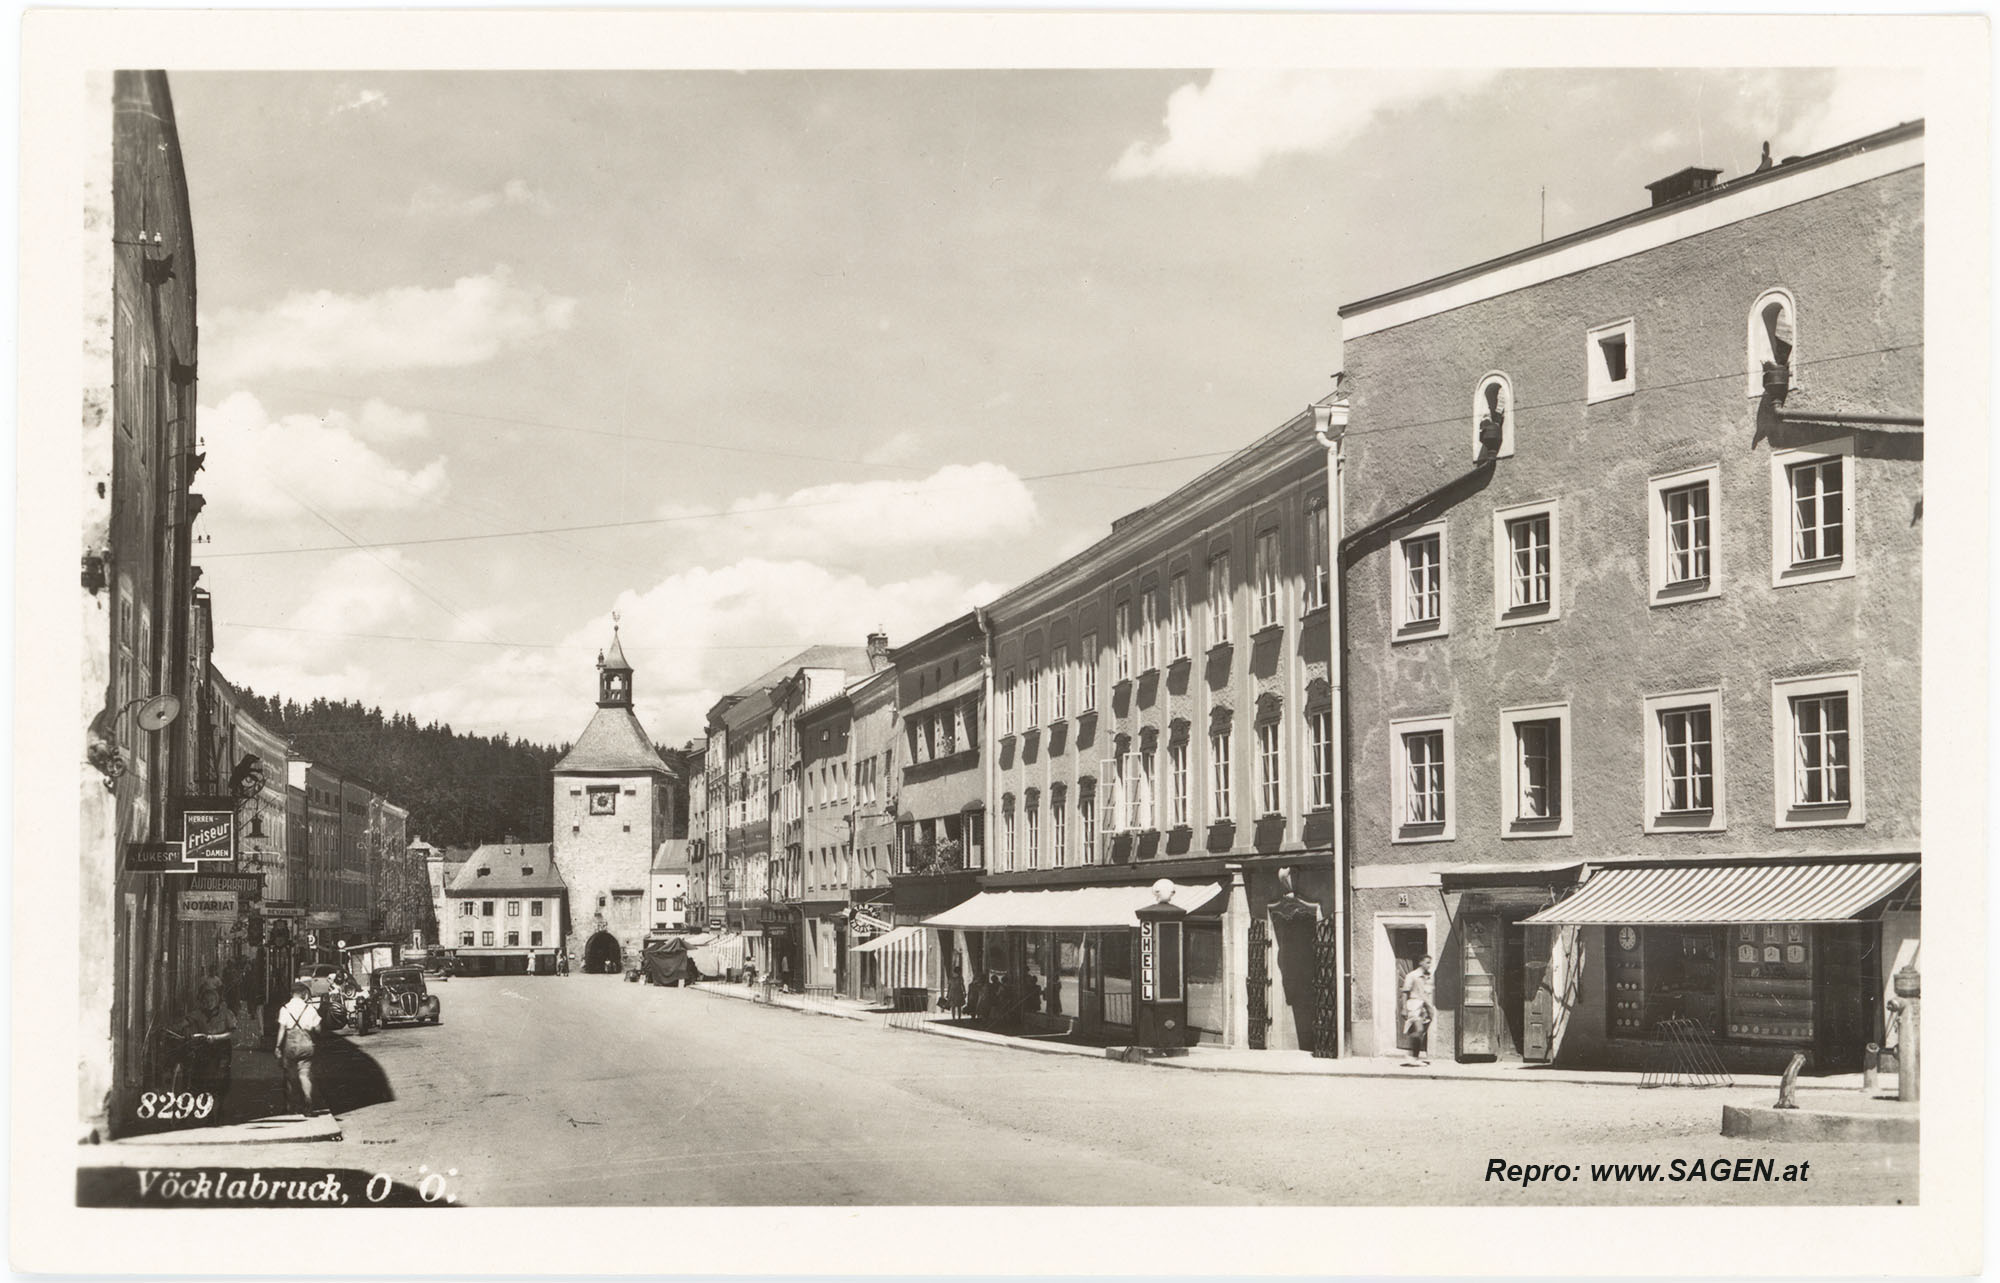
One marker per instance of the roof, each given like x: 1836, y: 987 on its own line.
x: 613, y: 743
x: 504, y: 864
x: 615, y: 657
x: 852, y: 659
x: 672, y: 857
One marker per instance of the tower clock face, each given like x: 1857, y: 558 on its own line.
x: 1628, y: 939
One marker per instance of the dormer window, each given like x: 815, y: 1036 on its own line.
x: 1493, y: 417
x: 1769, y: 365
x: 483, y: 871
x: 1609, y: 356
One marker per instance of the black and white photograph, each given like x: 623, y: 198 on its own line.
x: 932, y: 642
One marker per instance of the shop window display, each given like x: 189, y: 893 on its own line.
x: 1771, y: 982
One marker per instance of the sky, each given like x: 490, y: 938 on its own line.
x: 758, y: 360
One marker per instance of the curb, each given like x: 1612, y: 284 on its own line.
x: 1807, y: 1125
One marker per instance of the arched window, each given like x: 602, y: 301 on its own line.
x: 1772, y: 342
x: 1493, y: 417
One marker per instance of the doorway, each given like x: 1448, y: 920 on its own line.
x: 1407, y: 947
x: 603, y: 955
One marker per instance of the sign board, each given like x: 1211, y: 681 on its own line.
x: 1146, y: 960
x: 209, y: 834
x: 207, y: 906
x: 156, y: 857
x: 248, y: 885
x: 284, y: 911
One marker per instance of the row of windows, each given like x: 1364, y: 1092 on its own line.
x: 486, y: 938
x: 1165, y: 634
x: 1127, y: 795
x: 1816, y: 762
x: 485, y: 908
x: 1812, y: 513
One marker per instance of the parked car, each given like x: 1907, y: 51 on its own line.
x: 398, y: 995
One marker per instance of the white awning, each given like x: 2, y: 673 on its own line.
x: 1070, y: 907
x: 889, y: 939
x: 1715, y: 894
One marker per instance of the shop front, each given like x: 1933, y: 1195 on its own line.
x: 1079, y: 960
x: 1761, y: 960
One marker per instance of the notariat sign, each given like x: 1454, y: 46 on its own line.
x: 207, y: 906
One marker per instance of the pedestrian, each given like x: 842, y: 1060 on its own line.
x: 211, y: 1031
x: 1419, y: 991
x: 954, y: 992
x: 298, y: 1039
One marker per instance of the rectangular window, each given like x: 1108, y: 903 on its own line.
x: 1086, y: 696
x: 1059, y: 683
x: 486, y: 908
x: 1687, y: 534
x: 1177, y: 784
x: 1033, y: 835
x: 1058, y: 831
x: 1086, y: 822
x: 1420, y: 779
x: 1685, y: 780
x: 1178, y: 640
x: 1267, y: 579
x: 659, y: 904
x: 1268, y: 799
x: 1527, y: 564
x: 465, y: 908
x: 1007, y: 834
x: 1317, y: 548
x: 1007, y: 703
x: 534, y: 937
x: 465, y: 938
x: 1319, y: 735
x: 1534, y: 748
x: 1609, y: 358
x: 513, y: 938
x: 486, y: 937
x: 1423, y: 795
x: 513, y: 908
x: 1034, y: 693
x: 1687, y: 766
x: 1820, y: 753
x: 1218, y: 757
x: 1146, y: 817
x: 534, y: 908
x: 1419, y: 584
x: 1817, y: 527
x: 1111, y: 792
x: 1121, y: 628
x: 1219, y: 607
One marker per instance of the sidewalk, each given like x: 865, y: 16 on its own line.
x: 253, y: 1111
x: 1299, y: 1064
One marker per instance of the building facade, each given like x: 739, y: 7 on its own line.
x: 1161, y: 732
x: 873, y: 724
x: 1630, y: 548
x: 669, y: 890
x: 507, y: 911
x: 614, y: 805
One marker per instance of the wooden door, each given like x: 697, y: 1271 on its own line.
x: 1538, y: 1004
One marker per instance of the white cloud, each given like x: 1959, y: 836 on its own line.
x: 957, y: 504
x: 363, y: 100
x: 260, y: 468
x: 312, y: 652
x: 472, y: 320
x: 900, y: 448
x: 436, y: 200
x: 1858, y: 101
x: 691, y: 637
x: 1241, y: 118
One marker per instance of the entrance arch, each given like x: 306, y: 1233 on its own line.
x: 603, y: 955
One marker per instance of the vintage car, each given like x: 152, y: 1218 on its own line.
x: 398, y: 995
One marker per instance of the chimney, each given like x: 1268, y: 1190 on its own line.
x: 1692, y: 181
x: 878, y: 651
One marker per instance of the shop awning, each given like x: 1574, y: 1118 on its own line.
x: 1704, y: 894
x: 1070, y: 907
x: 889, y: 939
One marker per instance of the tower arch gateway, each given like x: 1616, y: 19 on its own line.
x: 614, y: 803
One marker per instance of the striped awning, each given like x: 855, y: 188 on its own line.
x: 1704, y: 894
x: 889, y: 939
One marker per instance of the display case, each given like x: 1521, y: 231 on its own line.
x: 1771, y: 983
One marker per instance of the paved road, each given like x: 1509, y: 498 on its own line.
x: 586, y: 1090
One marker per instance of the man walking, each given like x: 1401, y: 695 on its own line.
x: 1419, y: 989
x: 298, y: 1026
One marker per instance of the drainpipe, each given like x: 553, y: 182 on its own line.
x: 1782, y: 415
x: 1329, y: 425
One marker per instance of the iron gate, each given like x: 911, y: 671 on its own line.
x: 1326, y: 990
x: 1259, y: 982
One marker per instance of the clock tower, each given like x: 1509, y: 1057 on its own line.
x: 614, y: 804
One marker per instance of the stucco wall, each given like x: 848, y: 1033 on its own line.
x: 1853, y: 261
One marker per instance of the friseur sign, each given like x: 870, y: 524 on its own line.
x: 208, y: 833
